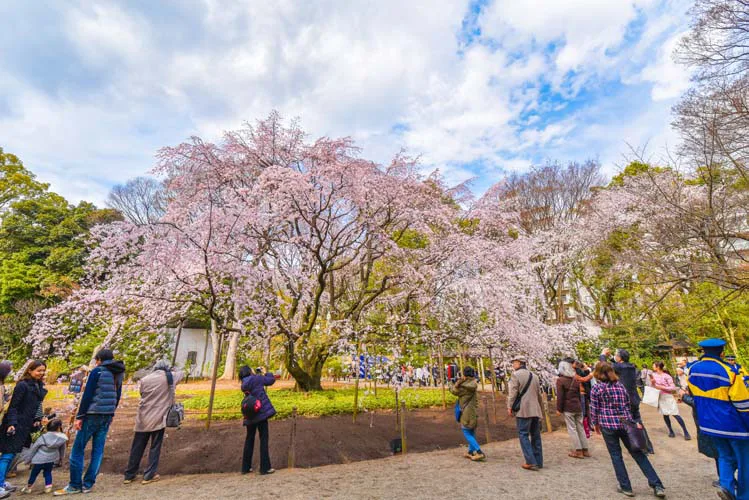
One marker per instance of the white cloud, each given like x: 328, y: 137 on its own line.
x: 389, y: 73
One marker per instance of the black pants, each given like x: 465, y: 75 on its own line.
x: 249, y: 446
x: 140, y: 440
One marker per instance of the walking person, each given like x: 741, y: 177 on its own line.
x: 570, y: 405
x: 609, y: 406
x: 628, y: 376
x: 46, y: 452
x: 524, y: 403
x: 255, y: 385
x: 22, y: 417
x: 466, y: 411
x: 721, y: 399
x: 667, y: 405
x: 98, y: 405
x: 157, y: 394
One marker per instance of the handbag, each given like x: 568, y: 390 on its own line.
x: 519, y: 399
x: 176, y: 412
x: 636, y: 436
x: 651, y: 396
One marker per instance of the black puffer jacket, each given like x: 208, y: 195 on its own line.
x: 22, y: 413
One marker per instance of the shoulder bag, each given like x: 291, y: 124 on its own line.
x: 176, y: 413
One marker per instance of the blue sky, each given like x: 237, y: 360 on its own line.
x: 91, y: 89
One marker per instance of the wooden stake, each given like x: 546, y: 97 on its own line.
x: 292, y: 440
x: 371, y: 419
x: 494, y: 385
x: 403, y: 427
x: 486, y: 421
x: 481, y: 376
x: 545, y: 409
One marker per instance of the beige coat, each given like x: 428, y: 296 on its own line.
x: 155, y: 400
x: 530, y: 405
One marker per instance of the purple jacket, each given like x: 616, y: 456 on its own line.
x: 255, y: 385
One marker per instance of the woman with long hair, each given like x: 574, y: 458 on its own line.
x: 609, y: 408
x: 667, y: 405
x: 21, y: 418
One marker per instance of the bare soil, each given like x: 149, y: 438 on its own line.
x: 319, y: 441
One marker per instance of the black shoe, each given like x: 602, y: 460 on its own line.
x: 659, y: 491
x: 626, y: 493
x: 671, y: 434
x: 687, y: 437
x: 269, y: 471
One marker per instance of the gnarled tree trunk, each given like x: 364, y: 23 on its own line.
x: 230, y: 367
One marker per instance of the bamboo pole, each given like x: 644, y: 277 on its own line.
x: 494, y: 385
x: 292, y: 440
x: 481, y: 376
x: 403, y: 427
x: 397, y: 411
x: 371, y: 419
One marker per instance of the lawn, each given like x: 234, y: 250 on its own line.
x: 316, y: 404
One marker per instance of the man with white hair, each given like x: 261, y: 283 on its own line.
x: 156, y: 397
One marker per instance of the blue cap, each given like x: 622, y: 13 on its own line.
x: 712, y: 343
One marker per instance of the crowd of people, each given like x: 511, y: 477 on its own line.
x: 604, y: 399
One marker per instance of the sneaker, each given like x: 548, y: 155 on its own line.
x: 4, y: 493
x: 127, y: 481
x: 478, y: 456
x: 152, y: 480
x: 659, y: 491
x: 9, y: 487
x: 66, y: 491
x: 48, y: 489
x: 86, y: 490
x: 26, y: 490
x: 626, y: 493
x: 269, y: 471
x: 249, y: 471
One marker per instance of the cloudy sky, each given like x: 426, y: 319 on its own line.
x: 89, y: 90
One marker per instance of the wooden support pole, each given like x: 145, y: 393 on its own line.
x: 481, y: 374
x: 292, y: 439
x: 214, y: 375
x: 494, y: 385
x: 442, y: 377
x: 176, y: 344
x: 486, y: 421
x: 397, y: 411
x: 403, y: 427
x: 545, y: 408
x: 371, y: 419
x: 357, y: 370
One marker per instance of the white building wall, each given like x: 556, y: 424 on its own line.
x: 193, y: 343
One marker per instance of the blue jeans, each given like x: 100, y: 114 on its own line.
x: 46, y: 469
x: 733, y: 457
x: 5, y: 461
x: 95, y: 428
x: 529, y: 430
x: 613, y: 439
x: 470, y: 435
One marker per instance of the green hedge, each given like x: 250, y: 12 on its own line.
x: 315, y: 404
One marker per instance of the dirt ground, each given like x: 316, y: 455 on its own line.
x: 319, y: 441
x: 445, y: 474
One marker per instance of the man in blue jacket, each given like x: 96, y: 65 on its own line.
x: 721, y: 399
x: 98, y: 404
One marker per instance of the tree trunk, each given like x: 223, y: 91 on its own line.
x: 214, y: 372
x: 230, y: 367
x: 266, y: 353
x: 308, y: 376
x: 105, y: 344
x: 176, y: 344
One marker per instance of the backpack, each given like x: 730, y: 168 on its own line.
x: 250, y: 406
x: 176, y: 413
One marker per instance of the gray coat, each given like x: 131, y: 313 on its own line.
x: 155, y: 400
x: 49, y: 448
x: 530, y: 405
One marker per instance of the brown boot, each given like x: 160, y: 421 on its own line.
x: 575, y: 454
x: 586, y: 453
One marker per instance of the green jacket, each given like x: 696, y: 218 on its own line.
x: 465, y: 389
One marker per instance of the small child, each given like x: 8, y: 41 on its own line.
x: 46, y: 451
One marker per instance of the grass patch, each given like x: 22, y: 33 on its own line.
x: 227, y: 403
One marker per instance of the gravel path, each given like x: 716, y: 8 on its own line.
x: 445, y: 474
